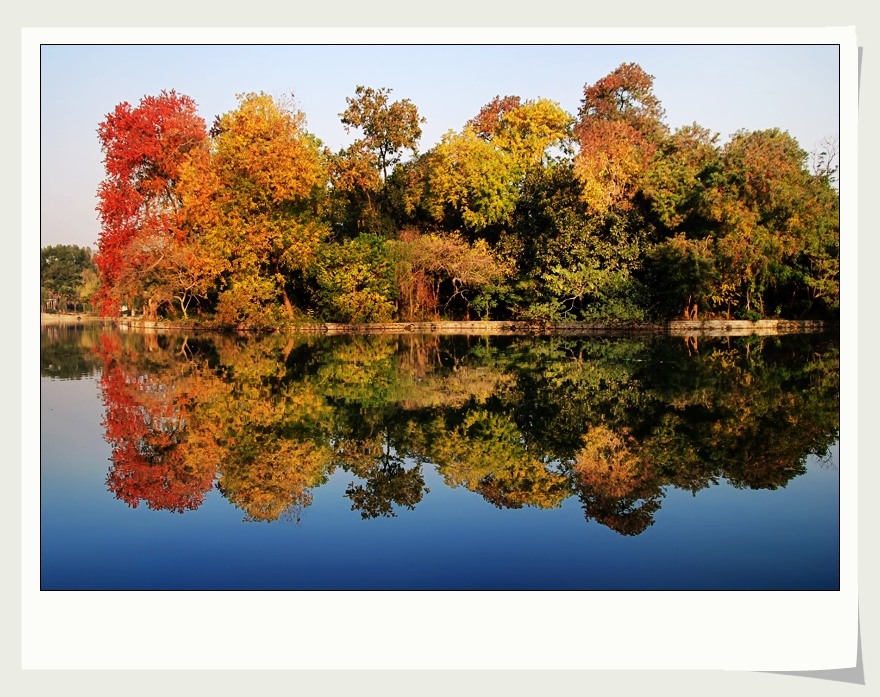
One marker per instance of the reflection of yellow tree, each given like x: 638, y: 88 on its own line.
x: 607, y: 464
x: 272, y: 449
x: 486, y: 454
x: 268, y: 477
x: 615, y: 483
x: 362, y: 368
x: 402, y: 371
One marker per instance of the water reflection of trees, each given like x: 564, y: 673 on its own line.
x: 66, y: 351
x: 518, y: 421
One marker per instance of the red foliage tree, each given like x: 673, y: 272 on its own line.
x: 620, y: 122
x: 626, y: 94
x: 488, y: 122
x: 144, y: 148
x: 147, y: 424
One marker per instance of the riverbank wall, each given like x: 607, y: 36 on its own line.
x: 47, y: 318
x: 690, y: 328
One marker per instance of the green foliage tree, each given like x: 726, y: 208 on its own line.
x: 575, y: 263
x: 675, y: 183
x: 356, y: 281
x: 67, y: 272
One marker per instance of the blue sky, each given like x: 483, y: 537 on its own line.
x: 721, y: 87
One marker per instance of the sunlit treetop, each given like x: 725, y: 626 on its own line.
x: 625, y: 94
x: 388, y: 127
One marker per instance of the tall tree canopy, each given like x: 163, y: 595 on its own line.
x: 388, y: 127
x: 254, y: 201
x: 619, y: 125
x: 65, y: 269
x: 144, y: 148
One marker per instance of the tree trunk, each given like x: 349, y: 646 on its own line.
x: 287, y: 304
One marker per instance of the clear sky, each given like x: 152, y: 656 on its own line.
x: 721, y: 87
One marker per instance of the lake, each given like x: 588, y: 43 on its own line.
x: 421, y: 462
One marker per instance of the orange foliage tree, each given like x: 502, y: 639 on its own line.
x: 618, y: 127
x: 254, y: 203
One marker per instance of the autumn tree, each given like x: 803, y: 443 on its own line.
x: 530, y: 130
x: 471, y: 184
x: 455, y: 269
x: 144, y: 149
x: 773, y: 210
x: 388, y: 128
x: 750, y: 231
x: 526, y: 212
x: 254, y: 202
x: 357, y: 190
x: 473, y: 178
x: 488, y: 122
x: 618, y: 127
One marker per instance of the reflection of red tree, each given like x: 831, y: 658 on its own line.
x: 146, y: 423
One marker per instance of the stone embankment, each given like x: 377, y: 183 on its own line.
x: 761, y: 327
x: 767, y: 327
x: 51, y: 318
x: 690, y: 328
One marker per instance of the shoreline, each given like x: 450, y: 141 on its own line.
x: 72, y: 318
x: 684, y: 328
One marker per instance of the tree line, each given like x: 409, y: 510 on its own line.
x: 526, y: 212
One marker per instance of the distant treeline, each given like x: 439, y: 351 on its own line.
x: 68, y: 278
x: 527, y: 212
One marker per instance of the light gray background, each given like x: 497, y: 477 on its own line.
x: 553, y: 13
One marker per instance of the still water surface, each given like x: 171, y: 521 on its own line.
x: 432, y: 463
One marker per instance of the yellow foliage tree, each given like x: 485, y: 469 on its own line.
x: 254, y: 202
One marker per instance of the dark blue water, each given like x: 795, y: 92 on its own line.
x: 715, y: 514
